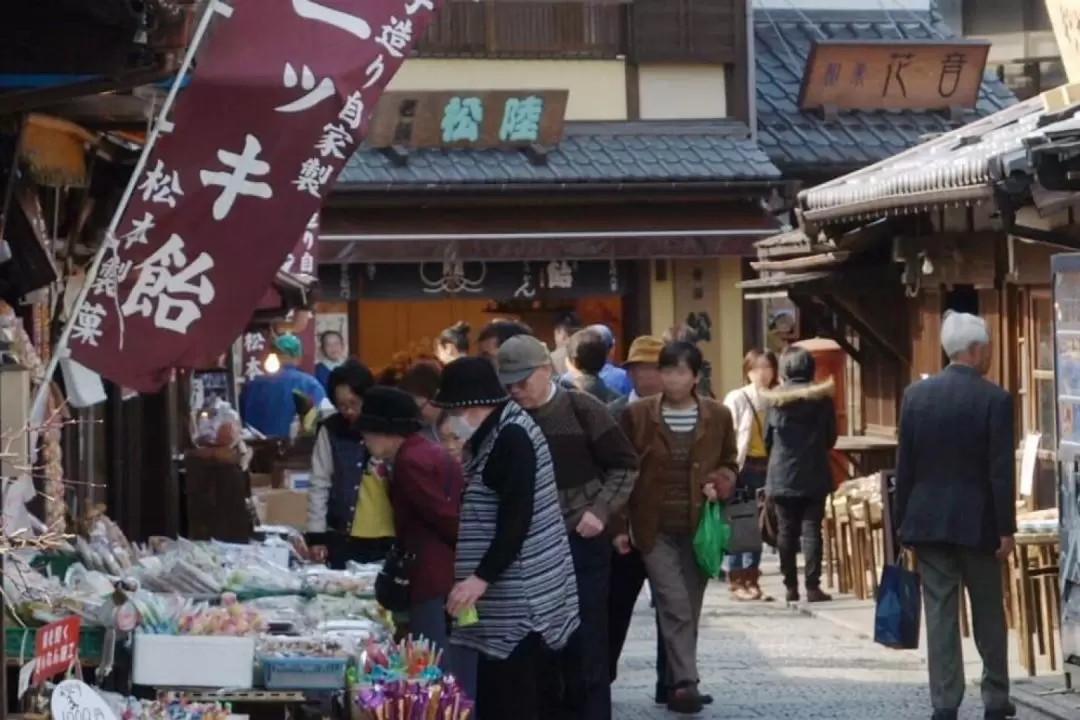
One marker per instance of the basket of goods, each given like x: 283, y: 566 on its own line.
x: 304, y: 663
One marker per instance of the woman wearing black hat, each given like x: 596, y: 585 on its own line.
x: 349, y: 515
x: 425, y: 490
x: 513, y: 562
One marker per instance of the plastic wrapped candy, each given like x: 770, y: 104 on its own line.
x: 413, y: 701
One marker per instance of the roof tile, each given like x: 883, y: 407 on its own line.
x: 661, y: 151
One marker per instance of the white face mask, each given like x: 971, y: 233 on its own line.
x: 461, y: 427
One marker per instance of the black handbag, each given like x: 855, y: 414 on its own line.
x: 767, y: 521
x: 392, y: 582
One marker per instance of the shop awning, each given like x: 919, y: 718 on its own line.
x: 508, y: 233
x: 956, y: 168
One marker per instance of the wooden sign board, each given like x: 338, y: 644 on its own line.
x: 468, y: 119
x: 1065, y: 19
x: 893, y: 75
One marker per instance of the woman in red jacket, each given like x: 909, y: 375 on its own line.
x: 426, y: 484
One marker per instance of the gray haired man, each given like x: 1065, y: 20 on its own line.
x: 955, y: 495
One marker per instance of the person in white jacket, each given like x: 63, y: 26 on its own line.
x: 747, y: 406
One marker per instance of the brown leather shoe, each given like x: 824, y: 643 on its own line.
x: 817, y: 595
x: 685, y: 701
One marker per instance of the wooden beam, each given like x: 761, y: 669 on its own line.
x: 851, y: 316
x: 801, y: 263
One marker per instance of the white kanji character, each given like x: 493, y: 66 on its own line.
x: 396, y: 36
x: 313, y: 175
x: 352, y: 113
x: 560, y: 274
x: 158, y: 283
x: 307, y: 264
x: 314, y: 93
x: 138, y: 233
x: 351, y: 24
x: 309, y: 239
x: 413, y: 6
x: 65, y: 653
x: 252, y: 369
x: 87, y: 328
x: 236, y: 181
x: 374, y: 71
x: 112, y: 272
x: 333, y: 140
x: 289, y: 260
x: 254, y: 342
x: 161, y: 186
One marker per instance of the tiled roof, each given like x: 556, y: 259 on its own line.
x: 953, y: 168
x: 590, y: 152
x: 797, y: 140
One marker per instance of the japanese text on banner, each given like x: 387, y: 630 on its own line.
x: 223, y: 197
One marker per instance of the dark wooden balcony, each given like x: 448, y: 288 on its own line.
x: 526, y: 29
x: 690, y: 31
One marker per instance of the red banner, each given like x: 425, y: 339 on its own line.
x: 281, y: 98
x: 56, y: 647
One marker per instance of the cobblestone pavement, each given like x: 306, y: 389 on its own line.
x: 767, y: 661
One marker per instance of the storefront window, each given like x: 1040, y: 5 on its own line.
x: 1042, y: 368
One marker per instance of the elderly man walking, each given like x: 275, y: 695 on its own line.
x: 955, y: 494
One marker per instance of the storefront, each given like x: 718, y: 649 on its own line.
x: 428, y: 227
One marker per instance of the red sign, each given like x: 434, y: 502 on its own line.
x: 224, y: 195
x: 56, y: 647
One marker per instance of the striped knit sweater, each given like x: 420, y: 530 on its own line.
x: 537, y: 593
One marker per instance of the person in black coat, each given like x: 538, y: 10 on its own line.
x: 955, y: 505
x: 800, y: 430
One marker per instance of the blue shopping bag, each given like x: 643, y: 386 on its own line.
x: 899, y: 609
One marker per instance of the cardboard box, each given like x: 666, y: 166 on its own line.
x: 283, y: 507
x: 261, y: 480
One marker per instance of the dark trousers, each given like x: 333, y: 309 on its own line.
x: 524, y: 686
x: 797, y: 516
x: 627, y: 579
x: 586, y: 680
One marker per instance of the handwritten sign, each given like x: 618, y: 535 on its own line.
x: 75, y: 700
x: 468, y: 119
x: 1065, y: 19
x: 891, y: 75
x: 56, y: 647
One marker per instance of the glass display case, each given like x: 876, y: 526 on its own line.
x: 1066, y: 318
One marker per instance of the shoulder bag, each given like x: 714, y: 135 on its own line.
x: 743, y: 512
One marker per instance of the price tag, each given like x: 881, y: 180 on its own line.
x: 75, y: 700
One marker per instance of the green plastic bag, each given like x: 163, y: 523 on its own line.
x: 711, y: 539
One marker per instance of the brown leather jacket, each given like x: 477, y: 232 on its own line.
x: 714, y: 448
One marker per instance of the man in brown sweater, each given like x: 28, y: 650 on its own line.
x: 595, y: 470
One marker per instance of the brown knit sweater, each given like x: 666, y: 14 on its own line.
x: 595, y: 463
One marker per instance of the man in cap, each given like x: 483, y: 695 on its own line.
x: 955, y: 494
x: 595, y: 470
x: 268, y: 401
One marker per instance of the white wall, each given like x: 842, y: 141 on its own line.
x: 681, y: 92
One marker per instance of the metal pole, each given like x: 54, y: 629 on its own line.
x: 37, y: 411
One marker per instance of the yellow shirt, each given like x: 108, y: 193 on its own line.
x: 374, y: 516
x: 757, y: 437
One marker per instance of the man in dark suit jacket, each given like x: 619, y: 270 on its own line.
x: 955, y: 505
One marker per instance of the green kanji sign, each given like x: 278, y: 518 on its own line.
x: 468, y: 119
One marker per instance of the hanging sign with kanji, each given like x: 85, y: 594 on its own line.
x: 56, y: 648
x: 893, y: 74
x: 224, y: 196
x: 469, y: 118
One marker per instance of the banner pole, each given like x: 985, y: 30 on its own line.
x: 37, y: 410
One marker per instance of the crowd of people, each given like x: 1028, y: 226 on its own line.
x: 538, y: 491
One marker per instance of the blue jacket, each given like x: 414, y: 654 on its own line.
x: 322, y: 374
x: 616, y: 379
x: 267, y: 402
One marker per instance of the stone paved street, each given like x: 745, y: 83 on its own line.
x: 767, y: 661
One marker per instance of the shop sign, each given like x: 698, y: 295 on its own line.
x: 552, y: 279
x: 893, y: 75
x: 469, y: 119
x: 1065, y: 19
x: 223, y: 198
x: 56, y: 648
